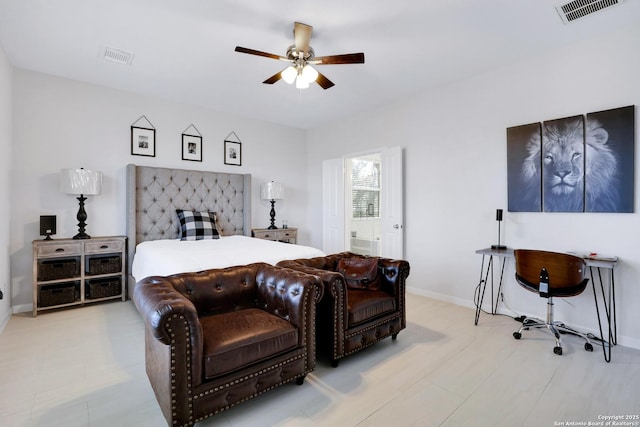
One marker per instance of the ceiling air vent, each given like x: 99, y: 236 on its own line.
x: 577, y: 9
x: 118, y: 56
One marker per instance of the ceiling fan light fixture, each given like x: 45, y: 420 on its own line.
x: 301, y: 56
x: 289, y: 74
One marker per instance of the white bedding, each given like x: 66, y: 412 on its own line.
x: 165, y: 257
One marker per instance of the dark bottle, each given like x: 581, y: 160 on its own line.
x: 543, y: 289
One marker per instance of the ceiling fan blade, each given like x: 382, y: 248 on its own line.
x: 302, y: 36
x: 324, y: 82
x: 349, y: 58
x: 271, y: 80
x: 259, y: 53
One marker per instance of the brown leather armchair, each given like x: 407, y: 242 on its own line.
x: 216, y: 338
x: 352, y: 318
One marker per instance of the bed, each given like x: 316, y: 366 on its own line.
x: 154, y: 248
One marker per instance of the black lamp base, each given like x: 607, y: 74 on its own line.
x: 273, y: 216
x: 81, y: 217
x: 498, y: 247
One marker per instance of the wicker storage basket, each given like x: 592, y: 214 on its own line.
x: 104, y: 264
x: 103, y: 288
x: 59, y: 268
x: 61, y: 293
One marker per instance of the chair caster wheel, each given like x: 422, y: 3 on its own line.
x: 557, y: 350
x: 588, y: 346
x: 517, y: 335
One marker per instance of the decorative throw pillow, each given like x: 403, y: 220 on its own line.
x: 197, y: 225
x: 360, y: 273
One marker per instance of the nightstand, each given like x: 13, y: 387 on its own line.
x: 68, y: 272
x: 287, y: 235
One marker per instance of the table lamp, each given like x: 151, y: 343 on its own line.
x: 81, y: 182
x: 272, y: 191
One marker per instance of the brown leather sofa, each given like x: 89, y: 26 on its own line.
x: 351, y: 318
x: 219, y: 337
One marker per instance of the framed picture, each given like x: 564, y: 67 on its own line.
x: 143, y: 141
x: 191, y: 147
x: 232, y: 153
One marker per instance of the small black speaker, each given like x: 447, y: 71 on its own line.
x: 499, y: 246
x: 47, y: 226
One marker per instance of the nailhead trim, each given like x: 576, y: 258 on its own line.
x: 363, y: 345
x: 173, y: 367
x: 257, y: 393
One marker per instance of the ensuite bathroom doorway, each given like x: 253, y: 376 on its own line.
x: 363, y: 204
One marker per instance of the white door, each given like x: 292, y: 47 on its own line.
x: 391, y: 210
x: 392, y: 204
x: 333, y: 232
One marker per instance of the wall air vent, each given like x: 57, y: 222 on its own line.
x: 577, y: 9
x: 118, y: 56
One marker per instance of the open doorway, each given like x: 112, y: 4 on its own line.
x: 365, y: 203
x: 362, y: 204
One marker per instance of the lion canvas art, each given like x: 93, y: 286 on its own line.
x: 573, y: 164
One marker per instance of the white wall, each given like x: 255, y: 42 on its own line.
x: 456, y: 173
x: 61, y: 123
x: 5, y: 162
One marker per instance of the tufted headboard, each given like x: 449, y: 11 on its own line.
x: 154, y: 194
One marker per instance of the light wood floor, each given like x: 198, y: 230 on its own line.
x: 85, y: 367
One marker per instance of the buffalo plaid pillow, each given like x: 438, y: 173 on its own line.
x: 197, y: 225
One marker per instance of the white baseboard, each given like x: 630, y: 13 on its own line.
x: 22, y: 308
x: 442, y: 297
x: 622, y: 340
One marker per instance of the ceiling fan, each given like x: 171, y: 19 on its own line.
x: 302, y: 57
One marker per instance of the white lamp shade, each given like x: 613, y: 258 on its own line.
x: 309, y: 73
x: 80, y: 181
x: 272, y: 191
x: 289, y: 74
x: 301, y: 83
